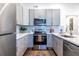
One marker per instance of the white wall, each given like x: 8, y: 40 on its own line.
x: 65, y: 9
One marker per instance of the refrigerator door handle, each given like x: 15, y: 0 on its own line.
x: 6, y: 34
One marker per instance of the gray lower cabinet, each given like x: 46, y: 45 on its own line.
x: 23, y: 43
x: 58, y: 45
x: 30, y: 40
x: 49, y: 41
x: 70, y: 49
x: 21, y: 46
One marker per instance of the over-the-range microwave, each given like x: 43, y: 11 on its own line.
x: 39, y: 22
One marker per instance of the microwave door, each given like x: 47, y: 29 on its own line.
x: 39, y: 22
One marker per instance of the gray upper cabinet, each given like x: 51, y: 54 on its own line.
x: 53, y: 17
x: 31, y: 16
x: 39, y: 13
x: 22, y: 15
x: 25, y: 16
x: 48, y: 16
x: 56, y: 17
x: 18, y: 14
x: 36, y: 13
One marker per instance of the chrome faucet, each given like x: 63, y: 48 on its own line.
x: 69, y: 30
x: 71, y: 26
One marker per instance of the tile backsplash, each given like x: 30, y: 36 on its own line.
x: 32, y: 28
x: 28, y: 28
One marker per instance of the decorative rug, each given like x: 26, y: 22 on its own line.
x: 39, y: 53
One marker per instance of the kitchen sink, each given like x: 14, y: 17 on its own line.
x: 68, y: 36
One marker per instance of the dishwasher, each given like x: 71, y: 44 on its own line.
x: 70, y: 49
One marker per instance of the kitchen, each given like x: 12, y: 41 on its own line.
x: 49, y: 27
x: 39, y: 29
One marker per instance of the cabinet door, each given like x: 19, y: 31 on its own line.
x: 48, y: 16
x: 25, y: 16
x: 20, y: 46
x: 26, y: 41
x: 58, y: 45
x: 56, y: 17
x: 31, y: 16
x: 54, y: 43
x: 59, y: 50
x: 23, y: 45
x: 49, y: 41
x: 40, y: 13
x: 70, y: 49
x: 30, y: 41
x: 19, y: 14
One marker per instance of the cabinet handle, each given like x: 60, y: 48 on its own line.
x: 68, y: 47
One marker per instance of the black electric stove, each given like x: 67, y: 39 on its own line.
x: 40, y: 40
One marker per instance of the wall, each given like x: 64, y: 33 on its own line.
x: 65, y: 9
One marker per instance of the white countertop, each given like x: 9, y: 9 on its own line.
x: 74, y: 40
x: 20, y: 35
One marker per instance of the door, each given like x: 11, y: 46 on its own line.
x: 40, y: 13
x: 31, y: 16
x: 8, y: 45
x: 59, y: 46
x: 49, y: 41
x: 70, y: 49
x: 25, y: 16
x: 49, y: 16
x: 8, y: 19
x: 56, y: 17
x: 30, y: 40
x: 18, y: 14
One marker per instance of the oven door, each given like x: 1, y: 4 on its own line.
x: 40, y: 40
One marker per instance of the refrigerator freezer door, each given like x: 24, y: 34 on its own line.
x: 8, y: 19
x: 1, y: 5
x: 8, y: 45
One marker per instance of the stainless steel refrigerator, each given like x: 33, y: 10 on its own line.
x: 7, y: 30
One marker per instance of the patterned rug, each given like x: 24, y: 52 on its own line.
x: 39, y: 53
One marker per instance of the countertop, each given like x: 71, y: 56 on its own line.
x: 74, y: 40
x: 20, y: 35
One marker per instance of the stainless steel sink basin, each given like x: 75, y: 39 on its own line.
x: 68, y: 36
